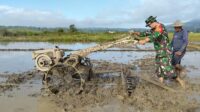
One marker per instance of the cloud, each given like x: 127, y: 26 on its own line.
x: 25, y: 17
x: 167, y: 11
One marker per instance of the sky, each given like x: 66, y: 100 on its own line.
x: 95, y: 13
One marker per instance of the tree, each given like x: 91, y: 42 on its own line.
x: 60, y: 30
x: 72, y: 28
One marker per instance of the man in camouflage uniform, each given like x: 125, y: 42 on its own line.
x: 159, y: 36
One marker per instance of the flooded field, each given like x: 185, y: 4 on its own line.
x: 25, y: 96
x: 21, y: 61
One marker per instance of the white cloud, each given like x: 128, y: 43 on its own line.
x: 24, y: 17
x: 166, y: 11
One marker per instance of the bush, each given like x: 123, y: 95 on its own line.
x: 60, y: 30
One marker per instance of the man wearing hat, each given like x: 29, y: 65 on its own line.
x: 179, y: 44
x: 159, y: 36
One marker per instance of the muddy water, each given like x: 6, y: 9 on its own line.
x: 19, y: 100
x: 15, y: 61
x: 192, y: 63
x: 37, y: 45
x: 21, y: 61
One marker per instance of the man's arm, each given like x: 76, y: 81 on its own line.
x: 172, y: 42
x: 147, y: 39
x: 150, y: 37
x: 185, y: 41
x: 142, y: 34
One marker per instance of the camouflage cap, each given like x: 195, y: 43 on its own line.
x: 150, y: 19
x: 178, y: 23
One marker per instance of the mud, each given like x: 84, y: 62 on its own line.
x: 149, y: 47
x: 105, y: 92
x: 14, y: 80
x: 146, y: 97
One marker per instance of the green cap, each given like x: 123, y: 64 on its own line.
x: 150, y: 19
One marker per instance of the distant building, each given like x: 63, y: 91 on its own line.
x: 111, y: 32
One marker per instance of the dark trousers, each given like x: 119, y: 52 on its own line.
x: 177, y: 59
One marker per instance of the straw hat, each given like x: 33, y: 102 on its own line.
x: 178, y: 23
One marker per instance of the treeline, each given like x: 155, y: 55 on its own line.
x: 15, y: 31
x: 192, y: 26
x: 6, y: 32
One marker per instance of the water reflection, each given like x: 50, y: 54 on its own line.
x: 37, y: 45
x: 15, y: 61
x: 73, y: 46
x: 22, y: 61
x: 192, y: 63
x: 120, y: 57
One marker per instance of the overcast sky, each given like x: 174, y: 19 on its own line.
x: 95, y: 13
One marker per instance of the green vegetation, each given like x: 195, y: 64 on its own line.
x: 71, y: 34
x: 64, y: 37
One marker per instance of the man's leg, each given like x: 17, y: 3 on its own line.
x: 179, y: 71
x: 178, y: 67
x: 181, y: 82
x: 161, y: 79
x: 169, y: 71
x: 158, y: 70
x: 176, y: 62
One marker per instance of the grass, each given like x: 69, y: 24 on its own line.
x: 78, y: 37
x: 65, y: 37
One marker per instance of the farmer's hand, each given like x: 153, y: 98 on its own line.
x: 135, y: 33
x: 178, y: 53
x: 142, y: 42
x: 147, y: 39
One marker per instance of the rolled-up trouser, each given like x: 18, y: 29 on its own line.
x: 177, y: 59
x: 164, y: 68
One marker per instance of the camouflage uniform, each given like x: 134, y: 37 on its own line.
x: 163, y: 52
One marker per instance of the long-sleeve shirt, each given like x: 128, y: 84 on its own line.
x: 180, y: 41
x: 160, y: 40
